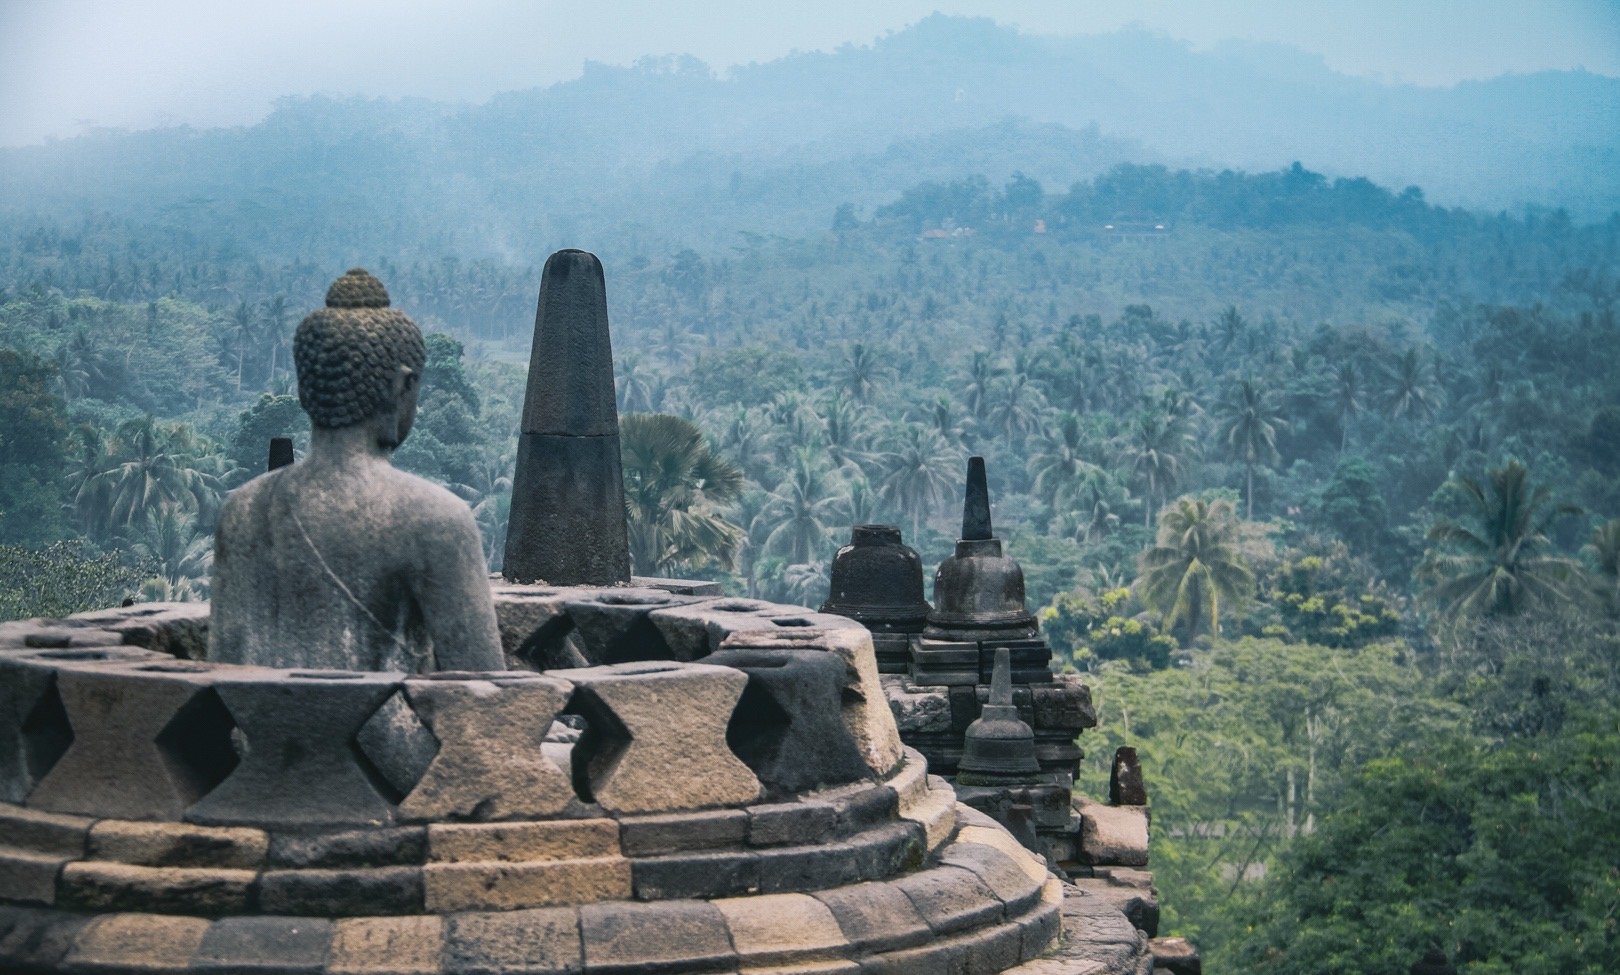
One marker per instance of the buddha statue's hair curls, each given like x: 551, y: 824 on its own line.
x: 349, y: 352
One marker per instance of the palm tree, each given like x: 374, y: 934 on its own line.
x: 1497, y: 558
x: 1059, y: 466
x: 801, y: 509
x: 1155, y: 451
x: 919, y: 474
x: 1348, y: 396
x: 1248, y: 427
x: 673, y: 482
x: 1016, y: 409
x: 863, y: 367
x: 155, y: 466
x: 170, y: 539
x: 1412, y: 387
x: 977, y: 392
x: 1194, y: 565
x: 1604, y: 552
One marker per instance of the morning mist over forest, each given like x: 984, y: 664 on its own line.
x: 1289, y: 340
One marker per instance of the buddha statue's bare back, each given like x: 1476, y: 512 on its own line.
x: 341, y: 560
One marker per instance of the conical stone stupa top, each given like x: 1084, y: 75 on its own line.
x: 1000, y: 747
x: 567, y: 525
x: 978, y: 591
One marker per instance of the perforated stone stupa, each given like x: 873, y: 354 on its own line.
x: 664, y: 780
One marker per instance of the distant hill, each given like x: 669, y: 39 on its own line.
x: 667, y: 152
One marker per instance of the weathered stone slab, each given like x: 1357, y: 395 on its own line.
x: 137, y: 943
x: 301, y: 765
x: 614, y: 625
x: 656, y: 736
x: 1125, y: 786
x: 490, y: 764
x: 917, y: 710
x: 341, y: 893
x: 775, y: 929
x: 391, y: 846
x: 42, y: 832
x: 29, y: 877
x: 282, y: 945
x: 387, y: 946
x: 1116, y: 835
x: 504, y: 886
x: 951, y: 899
x: 789, y: 823
x: 34, y: 730
x: 173, y: 629
x: 1001, y: 873
x: 788, y: 727
x: 178, y: 845
x: 97, y: 885
x: 876, y: 917
x: 545, y: 941
x: 629, y: 939
x: 681, y: 832
x: 562, y: 839
x: 36, y: 939
x: 695, y: 875
x: 145, y: 744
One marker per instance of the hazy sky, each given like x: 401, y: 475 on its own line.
x: 69, y: 64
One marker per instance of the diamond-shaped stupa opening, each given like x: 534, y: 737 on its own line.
x: 46, y: 733
x: 196, y: 744
x: 758, y: 726
x: 395, y: 747
x: 603, y: 738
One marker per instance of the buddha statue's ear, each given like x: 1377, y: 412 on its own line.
x: 395, y: 423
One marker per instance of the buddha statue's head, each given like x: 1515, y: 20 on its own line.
x: 359, y: 361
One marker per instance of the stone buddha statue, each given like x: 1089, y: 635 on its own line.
x: 341, y: 560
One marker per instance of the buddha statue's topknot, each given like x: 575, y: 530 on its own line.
x: 349, y: 352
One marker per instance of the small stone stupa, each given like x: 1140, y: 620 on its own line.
x: 877, y: 580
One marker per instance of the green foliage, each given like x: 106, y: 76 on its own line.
x: 1316, y: 603
x: 33, y: 431
x: 1092, y: 629
x: 1194, y: 566
x: 63, y: 578
x: 1498, y: 858
x: 675, y: 487
x: 269, y: 416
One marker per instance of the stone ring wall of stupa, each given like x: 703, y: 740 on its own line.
x: 160, y: 813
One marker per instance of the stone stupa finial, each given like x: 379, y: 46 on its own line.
x: 567, y: 526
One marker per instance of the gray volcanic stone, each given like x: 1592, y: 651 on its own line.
x: 490, y: 764
x: 629, y: 939
x: 145, y: 746
x: 877, y: 580
x: 341, y: 560
x: 398, y: 845
x: 280, y: 945
x: 694, y: 875
x: 340, y: 893
x: 655, y: 739
x: 788, y: 727
x: 302, y: 766
x: 876, y: 917
x: 679, y: 832
x: 537, y: 941
x: 37, y: 940
x: 567, y: 523
x: 1125, y: 786
x: 34, y: 729
x: 951, y: 899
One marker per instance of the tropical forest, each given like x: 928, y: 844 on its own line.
x: 1314, y: 476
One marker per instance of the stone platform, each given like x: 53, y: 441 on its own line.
x: 160, y: 813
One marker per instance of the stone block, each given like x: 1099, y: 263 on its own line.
x: 951, y: 899
x: 965, y: 708
x: 544, y: 941
x: 178, y: 844
x: 1113, y: 835
x: 788, y: 726
x: 887, y: 850
x: 172, y: 629
x: 29, y: 877
x: 995, y: 949
x: 694, y: 875
x: 875, y: 917
x: 613, y: 625
x: 36, y: 939
x: 490, y: 764
x: 940, y: 957
x: 137, y: 943
x: 805, y: 868
x: 280, y: 945
x: 862, y: 805
x: 1000, y: 872
x: 342, y: 893
x: 550, y: 840
x: 94, y: 885
x: 790, y: 823
x: 301, y: 766
x: 1064, y: 704
x: 386, y: 847
x: 695, y: 630
x: 935, y: 813
x: 145, y: 746
x: 1176, y: 956
x: 910, y: 779
x: 987, y: 832
x: 42, y: 832
x: 1125, y: 786
x: 630, y: 939
x: 655, y: 739
x: 534, y: 626
x: 1136, y: 901
x: 505, y: 886
x: 776, y: 929
x: 893, y: 652
x: 1042, y: 926
x: 710, y: 829
x: 387, y: 946
x: 34, y: 729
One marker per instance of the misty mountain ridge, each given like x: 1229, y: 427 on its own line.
x: 669, y: 150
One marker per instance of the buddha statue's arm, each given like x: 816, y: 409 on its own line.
x: 453, y: 592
